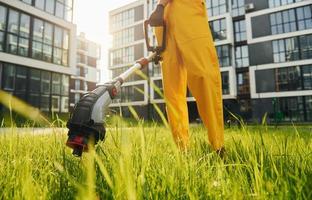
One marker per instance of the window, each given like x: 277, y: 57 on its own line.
x: 3, y: 13
x: 238, y: 7
x: 292, y: 108
x: 218, y: 28
x: 2, y: 26
x: 306, y: 46
x: 123, y: 37
x: 34, y: 84
x: 13, y: 29
x: 224, y: 55
x: 65, y: 85
x: 56, y: 83
x: 47, y: 39
x: 308, y: 106
x: 64, y: 103
x: 123, y: 19
x: 27, y: 1
x: 132, y: 93
x: 291, y: 20
x: 59, y: 9
x: 284, y: 79
x: 288, y: 79
x: 265, y: 80
x: 158, y: 84
x: 21, y: 79
x: 24, y: 31
x: 45, y: 103
x: 18, y: 37
x: 12, y: 43
x: 307, y: 77
x: 240, y: 31
x: 286, y: 50
x: 304, y: 17
x: 241, y: 56
x: 45, y: 82
x: 56, y: 102
x: 292, y: 49
x: 13, y: 21
x: 283, y: 22
x: 49, y: 7
x: 24, y: 26
x: 276, y: 3
x: 243, y: 83
x: 34, y: 100
x: 225, y: 83
x: 40, y: 88
x: 217, y: 7
x: 1, y: 41
x: 39, y: 4
x: 156, y: 70
x: 8, y: 75
x: 122, y: 56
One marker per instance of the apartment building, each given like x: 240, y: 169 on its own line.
x: 126, y: 27
x: 265, y: 54
x: 37, y: 52
x: 87, y: 71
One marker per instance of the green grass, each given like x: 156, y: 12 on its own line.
x: 142, y: 162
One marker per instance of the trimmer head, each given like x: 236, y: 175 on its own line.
x: 80, y: 137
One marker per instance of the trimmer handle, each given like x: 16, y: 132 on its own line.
x: 157, y: 49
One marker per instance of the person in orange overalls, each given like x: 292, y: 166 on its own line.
x: 190, y: 59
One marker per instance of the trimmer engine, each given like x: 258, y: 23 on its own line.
x: 86, y: 124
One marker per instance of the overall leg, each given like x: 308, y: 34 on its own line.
x: 175, y: 88
x: 204, y: 81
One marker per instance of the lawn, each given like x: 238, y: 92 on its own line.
x: 142, y: 162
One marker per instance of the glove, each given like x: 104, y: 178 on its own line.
x: 157, y: 17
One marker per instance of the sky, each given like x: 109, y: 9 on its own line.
x: 91, y: 17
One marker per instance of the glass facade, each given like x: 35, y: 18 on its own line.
x: 291, y: 20
x: 241, y: 56
x: 123, y: 19
x: 224, y: 55
x: 291, y: 49
x: 217, y: 7
x: 133, y: 93
x: 218, y: 29
x: 240, y: 31
x: 225, y: 83
x: 277, y: 3
x: 59, y: 8
x: 243, y: 86
x: 122, y: 56
x: 238, y: 7
x: 45, y: 90
x: 46, y: 41
x: 158, y: 85
x: 123, y: 37
x: 293, y: 109
x: 284, y: 79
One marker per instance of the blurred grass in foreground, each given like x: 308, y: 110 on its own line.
x: 142, y: 162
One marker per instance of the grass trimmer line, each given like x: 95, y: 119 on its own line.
x: 86, y: 123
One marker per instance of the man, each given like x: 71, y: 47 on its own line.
x: 190, y: 59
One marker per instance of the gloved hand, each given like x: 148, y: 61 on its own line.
x: 157, y: 17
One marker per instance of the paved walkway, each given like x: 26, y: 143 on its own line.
x: 33, y: 130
